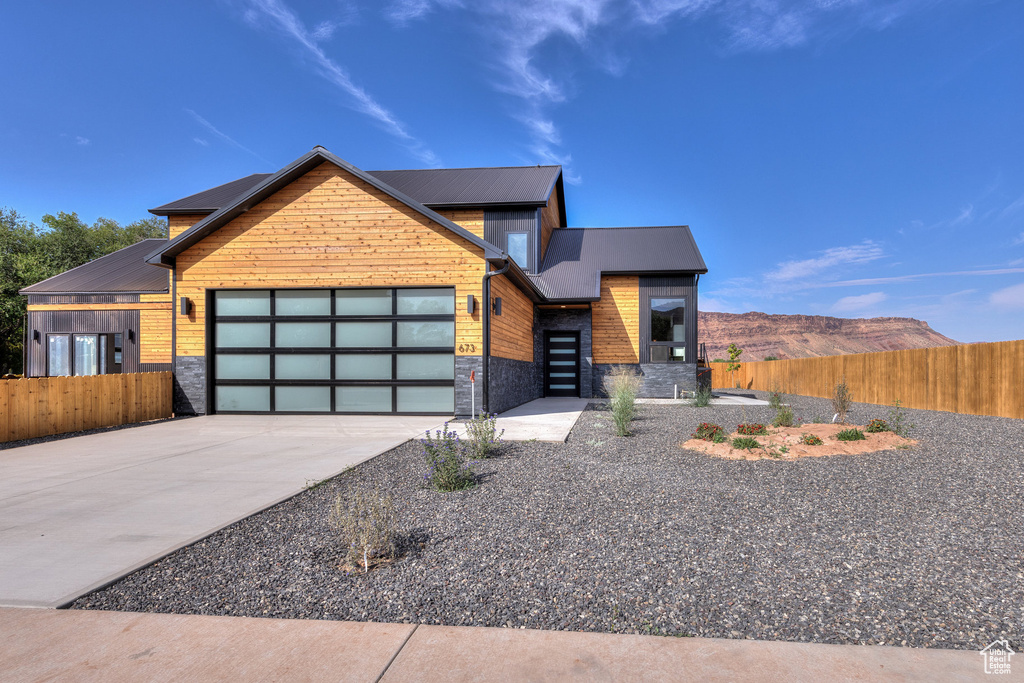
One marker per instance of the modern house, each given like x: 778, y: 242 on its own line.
x: 326, y: 288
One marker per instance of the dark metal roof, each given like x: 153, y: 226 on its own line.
x: 436, y: 187
x: 166, y: 253
x: 510, y: 185
x: 576, y: 257
x: 210, y: 200
x: 124, y: 270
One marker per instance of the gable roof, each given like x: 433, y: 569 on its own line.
x: 124, y: 270
x: 576, y: 257
x: 524, y: 186
x: 274, y: 182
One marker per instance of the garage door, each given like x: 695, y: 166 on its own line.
x: 367, y: 351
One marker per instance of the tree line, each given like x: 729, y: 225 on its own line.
x: 30, y: 254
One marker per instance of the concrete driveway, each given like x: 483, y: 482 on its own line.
x: 76, y: 514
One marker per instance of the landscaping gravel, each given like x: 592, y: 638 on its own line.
x: 919, y: 547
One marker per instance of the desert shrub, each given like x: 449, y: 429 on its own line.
x: 709, y: 431
x: 852, y: 434
x: 622, y: 385
x: 447, y: 468
x: 877, y: 425
x: 771, y: 357
x: 776, y: 397
x: 898, y: 420
x: 754, y: 428
x: 842, y: 398
x: 483, y: 434
x: 702, y: 397
x: 745, y: 443
x: 365, y: 522
x: 783, y: 417
x: 810, y: 440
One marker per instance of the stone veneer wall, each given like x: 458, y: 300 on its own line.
x: 660, y: 379
x: 190, y: 385
x: 511, y: 383
x: 568, y: 319
x: 463, y: 399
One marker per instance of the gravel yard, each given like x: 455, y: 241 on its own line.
x: 918, y: 547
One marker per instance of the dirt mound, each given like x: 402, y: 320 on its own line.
x: 785, y: 443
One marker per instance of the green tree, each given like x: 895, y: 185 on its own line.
x: 734, y: 365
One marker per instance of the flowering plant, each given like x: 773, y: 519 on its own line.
x: 752, y: 429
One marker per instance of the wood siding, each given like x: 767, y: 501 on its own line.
x: 550, y: 219
x: 179, y: 224
x: 470, y: 219
x: 616, y: 320
x: 328, y: 229
x: 975, y: 379
x: 155, y: 335
x: 512, y: 331
x: 55, y: 405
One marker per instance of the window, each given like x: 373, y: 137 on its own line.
x: 518, y: 244
x: 83, y: 354
x: 668, y: 330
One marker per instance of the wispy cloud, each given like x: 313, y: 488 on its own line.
x: 79, y: 140
x: 201, y: 141
x: 404, y: 11
x: 1010, y: 297
x: 829, y: 259
x: 224, y: 136
x: 281, y: 18
x: 859, y: 303
x: 918, y: 276
x: 1019, y: 239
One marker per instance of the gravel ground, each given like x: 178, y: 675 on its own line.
x: 918, y: 547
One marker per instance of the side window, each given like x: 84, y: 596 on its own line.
x: 668, y: 330
x: 518, y: 247
x: 80, y: 354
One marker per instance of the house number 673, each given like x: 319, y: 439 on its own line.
x: 467, y: 348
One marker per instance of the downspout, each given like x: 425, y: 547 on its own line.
x: 484, y: 379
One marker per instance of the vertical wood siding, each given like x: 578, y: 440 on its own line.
x: 616, y: 320
x: 550, y: 219
x: 88, y: 320
x: 55, y: 405
x: 328, y: 229
x: 975, y: 379
x: 512, y: 331
x: 497, y: 224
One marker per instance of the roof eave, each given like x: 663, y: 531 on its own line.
x: 519, y: 278
x: 159, y: 211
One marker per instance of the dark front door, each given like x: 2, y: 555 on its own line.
x: 562, y: 363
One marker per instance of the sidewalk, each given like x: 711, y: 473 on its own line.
x: 40, y: 644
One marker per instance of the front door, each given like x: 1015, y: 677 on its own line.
x: 562, y: 363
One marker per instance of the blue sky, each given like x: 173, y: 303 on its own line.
x: 855, y: 158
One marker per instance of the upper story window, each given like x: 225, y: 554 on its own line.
x: 668, y: 330
x: 518, y: 247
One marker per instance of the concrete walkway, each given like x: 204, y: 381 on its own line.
x: 114, y: 646
x: 78, y: 513
x: 543, y: 419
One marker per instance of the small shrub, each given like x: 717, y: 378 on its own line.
x: 708, y: 431
x: 776, y: 397
x: 898, y: 420
x: 852, y: 434
x: 365, y: 522
x: 622, y: 385
x: 752, y: 429
x: 702, y: 397
x: 771, y: 357
x: 783, y: 417
x: 447, y: 466
x: 841, y: 400
x: 810, y: 440
x: 877, y: 425
x: 745, y: 443
x: 483, y: 434
x: 819, y: 420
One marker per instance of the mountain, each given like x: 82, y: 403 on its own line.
x: 801, y: 336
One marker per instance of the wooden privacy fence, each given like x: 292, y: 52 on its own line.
x: 976, y: 379
x: 54, y: 405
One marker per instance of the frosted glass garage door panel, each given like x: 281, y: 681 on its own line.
x: 362, y: 302
x: 426, y: 366
x: 243, y: 335
x: 239, y: 366
x: 246, y: 399
x: 426, y: 301
x: 426, y: 334
x: 242, y: 303
x: 304, y: 366
x: 302, y: 302
x: 363, y: 335
x: 426, y: 399
x: 362, y: 399
x: 302, y: 399
x: 302, y: 335
x: 362, y: 366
